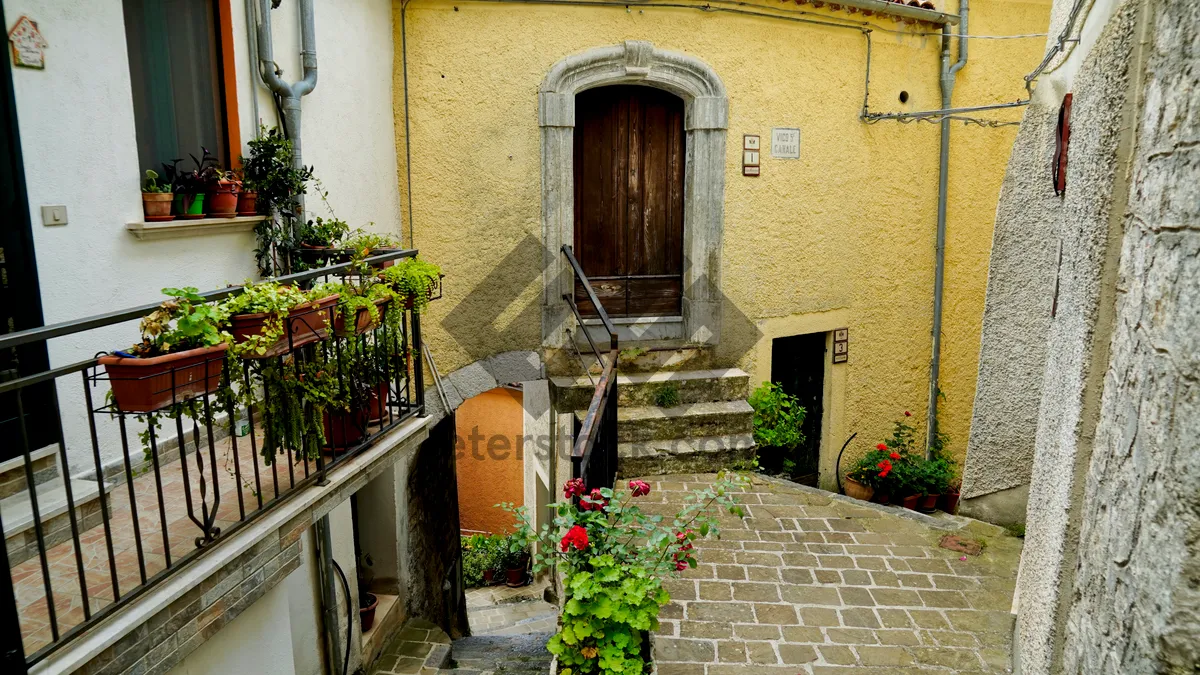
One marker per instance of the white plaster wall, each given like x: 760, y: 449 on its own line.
x: 304, y: 602
x: 80, y: 149
x: 264, y: 626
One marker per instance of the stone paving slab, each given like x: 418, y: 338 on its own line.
x: 817, y: 583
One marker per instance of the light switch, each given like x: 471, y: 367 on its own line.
x: 55, y: 214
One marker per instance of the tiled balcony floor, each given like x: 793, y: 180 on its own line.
x: 180, y: 540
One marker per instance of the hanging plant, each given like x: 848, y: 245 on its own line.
x: 414, y: 280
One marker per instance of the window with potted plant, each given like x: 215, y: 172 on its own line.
x: 613, y: 558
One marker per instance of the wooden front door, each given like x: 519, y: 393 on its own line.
x: 629, y: 160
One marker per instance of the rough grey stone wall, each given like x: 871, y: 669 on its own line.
x: 1077, y: 343
x: 1016, y: 317
x: 1136, y: 605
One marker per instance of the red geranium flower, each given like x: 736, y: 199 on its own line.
x: 577, y: 536
x: 593, y: 501
x: 574, y: 488
x: 907, y: 414
x: 681, y: 565
x: 894, y: 455
x: 886, y: 468
x: 881, y: 446
x: 639, y: 488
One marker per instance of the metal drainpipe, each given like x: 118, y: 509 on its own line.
x: 290, y: 95
x: 949, y: 72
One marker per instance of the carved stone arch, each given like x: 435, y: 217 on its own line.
x: 706, y: 115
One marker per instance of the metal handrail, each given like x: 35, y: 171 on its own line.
x: 121, y: 316
x: 587, y: 286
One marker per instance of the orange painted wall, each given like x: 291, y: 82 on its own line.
x: 489, y: 459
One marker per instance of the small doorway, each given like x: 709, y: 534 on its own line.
x: 33, y: 417
x: 798, y: 366
x: 489, y: 452
x: 629, y: 172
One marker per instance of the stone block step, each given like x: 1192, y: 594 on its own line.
x: 705, y: 454
x: 512, y: 654
x: 649, y: 389
x: 692, y: 420
x: 16, y: 512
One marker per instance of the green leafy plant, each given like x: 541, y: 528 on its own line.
x: 667, y: 395
x: 414, y: 280
x: 322, y: 232
x: 364, y: 296
x: 269, y: 171
x: 152, y: 184
x: 481, y: 553
x: 778, y: 417
x: 364, y: 242
x: 613, y: 558
x: 185, y: 321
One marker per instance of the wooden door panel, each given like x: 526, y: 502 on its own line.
x: 611, y: 293
x: 629, y: 163
x: 653, y: 296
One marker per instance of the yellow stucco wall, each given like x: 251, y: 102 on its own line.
x: 848, y: 228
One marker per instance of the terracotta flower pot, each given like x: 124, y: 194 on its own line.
x: 857, y: 490
x: 223, y: 199
x: 910, y: 502
x: 378, y: 402
x: 157, y: 206
x: 344, y: 429
x: 304, y: 324
x: 515, y: 578
x: 247, y: 204
x: 362, y: 320
x: 489, y: 577
x: 366, y: 613
x: 145, y: 385
x: 882, y: 498
x: 950, y: 502
x: 928, y: 503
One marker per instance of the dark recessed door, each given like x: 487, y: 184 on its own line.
x: 32, y: 416
x: 798, y: 366
x: 629, y: 160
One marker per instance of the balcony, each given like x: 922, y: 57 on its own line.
x: 199, y: 450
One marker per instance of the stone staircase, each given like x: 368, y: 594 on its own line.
x: 16, y: 507
x: 673, y: 420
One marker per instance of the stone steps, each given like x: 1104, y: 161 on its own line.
x: 683, y: 455
x: 691, y: 420
x: 501, y: 655
x: 647, y: 389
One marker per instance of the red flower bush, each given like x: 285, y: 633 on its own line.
x: 885, y: 468
x: 576, y: 537
x: 881, y: 446
x: 639, y: 488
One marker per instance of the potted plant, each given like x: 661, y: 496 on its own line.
x: 222, y: 194
x: 364, y: 243
x: 414, y: 280
x: 515, y: 559
x: 193, y: 185
x: 938, y: 472
x: 270, y: 174
x: 157, y: 198
x: 268, y: 319
x: 778, y: 418
x: 181, y: 355
x: 951, y: 495
x: 613, y: 558
x: 361, y: 307
x: 367, y: 603
x: 870, y: 474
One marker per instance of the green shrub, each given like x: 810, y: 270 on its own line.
x: 667, y: 395
x: 482, y: 552
x: 778, y: 417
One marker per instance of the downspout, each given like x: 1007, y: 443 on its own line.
x: 949, y: 72
x: 289, y: 93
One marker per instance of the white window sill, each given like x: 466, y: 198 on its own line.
x: 189, y: 228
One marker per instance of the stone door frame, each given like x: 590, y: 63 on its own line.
x: 706, y: 119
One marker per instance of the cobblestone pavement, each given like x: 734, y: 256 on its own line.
x: 817, y: 583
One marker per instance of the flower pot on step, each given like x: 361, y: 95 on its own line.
x: 366, y: 613
x: 148, y: 384
x: 304, y: 324
x: 910, y: 502
x: 882, y: 498
x: 489, y: 577
x: 247, y: 204
x: 156, y: 206
x: 928, y: 503
x: 515, y: 578
x: 857, y: 490
x: 950, y: 502
x: 222, y: 200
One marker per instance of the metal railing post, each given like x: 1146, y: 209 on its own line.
x: 418, y: 367
x: 12, y: 650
